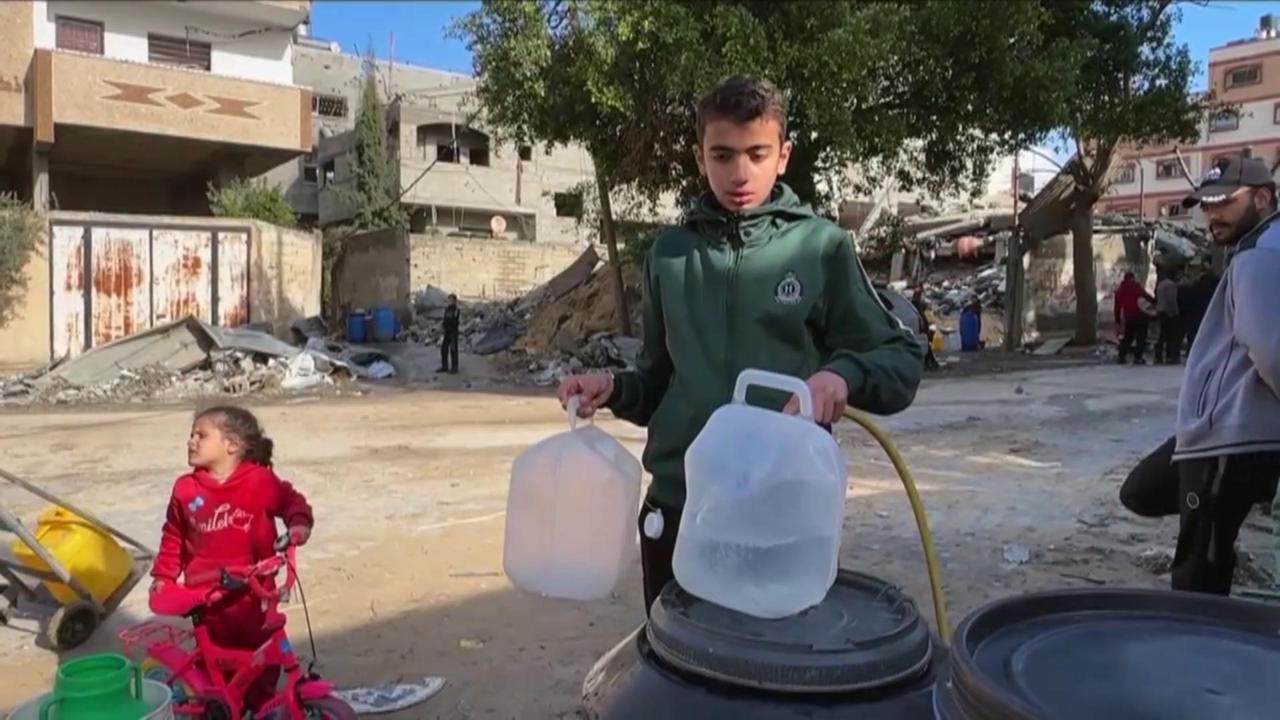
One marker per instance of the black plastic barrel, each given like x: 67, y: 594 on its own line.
x: 1098, y: 654
x: 862, y: 653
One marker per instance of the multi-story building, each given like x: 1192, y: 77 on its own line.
x: 1151, y: 182
x: 138, y: 107
x: 475, y: 184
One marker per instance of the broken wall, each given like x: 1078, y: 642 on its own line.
x: 485, y: 269
x: 375, y: 271
x: 283, y: 274
x: 1051, y: 293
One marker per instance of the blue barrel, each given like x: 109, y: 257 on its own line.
x: 970, y: 331
x: 384, y: 324
x: 356, y: 326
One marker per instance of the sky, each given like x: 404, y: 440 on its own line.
x: 420, y: 29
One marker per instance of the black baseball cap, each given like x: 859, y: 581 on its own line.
x: 1224, y: 179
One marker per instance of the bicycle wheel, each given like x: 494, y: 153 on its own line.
x: 328, y: 708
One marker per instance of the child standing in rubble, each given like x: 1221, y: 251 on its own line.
x: 752, y: 279
x: 223, y: 513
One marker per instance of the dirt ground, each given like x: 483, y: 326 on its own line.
x: 404, y: 572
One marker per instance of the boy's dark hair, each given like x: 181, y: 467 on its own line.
x: 244, y: 427
x: 743, y: 99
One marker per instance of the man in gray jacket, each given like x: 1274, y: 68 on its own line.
x: 1227, y: 452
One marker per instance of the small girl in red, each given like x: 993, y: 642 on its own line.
x: 223, y: 514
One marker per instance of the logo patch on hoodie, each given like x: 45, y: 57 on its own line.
x: 790, y: 291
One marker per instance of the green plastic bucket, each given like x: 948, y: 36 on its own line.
x: 106, y: 686
x: 156, y: 695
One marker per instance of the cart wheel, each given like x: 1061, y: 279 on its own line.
x: 72, y: 625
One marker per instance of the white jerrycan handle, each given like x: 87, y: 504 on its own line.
x: 776, y: 381
x: 575, y: 402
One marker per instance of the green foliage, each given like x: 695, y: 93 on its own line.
x: 866, y: 82
x: 1128, y: 82
x: 635, y: 235
x: 20, y: 230
x: 885, y: 238
x: 244, y: 198
x: 374, y: 190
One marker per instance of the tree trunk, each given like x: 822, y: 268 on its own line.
x: 1085, y: 280
x: 1015, y: 293
x: 610, y: 235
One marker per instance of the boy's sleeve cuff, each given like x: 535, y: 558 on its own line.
x: 850, y: 371
x: 618, y: 392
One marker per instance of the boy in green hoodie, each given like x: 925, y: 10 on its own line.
x: 751, y: 279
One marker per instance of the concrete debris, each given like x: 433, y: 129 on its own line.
x: 1016, y: 554
x: 1052, y: 346
x: 303, y: 329
x: 567, y: 325
x: 498, y: 337
x: 568, y: 279
x: 190, y: 359
x: 1156, y: 561
x: 1256, y: 571
x: 949, y: 293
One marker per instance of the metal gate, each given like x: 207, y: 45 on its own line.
x: 111, y: 281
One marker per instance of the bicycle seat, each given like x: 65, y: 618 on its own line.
x: 177, y: 601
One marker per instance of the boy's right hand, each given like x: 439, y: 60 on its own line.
x: 593, y: 390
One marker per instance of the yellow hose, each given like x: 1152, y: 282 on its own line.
x: 922, y: 522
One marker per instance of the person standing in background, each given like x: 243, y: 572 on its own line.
x: 1169, y: 349
x: 449, y: 343
x: 1131, y: 320
x: 1193, y: 302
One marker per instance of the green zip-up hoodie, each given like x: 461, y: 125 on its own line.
x: 776, y: 288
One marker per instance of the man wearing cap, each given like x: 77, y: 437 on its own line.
x: 1225, y: 456
x: 1228, y: 430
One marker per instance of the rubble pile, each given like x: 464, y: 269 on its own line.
x: 949, y: 293
x: 484, y: 327
x: 563, y: 327
x: 229, y: 373
x: 188, y: 359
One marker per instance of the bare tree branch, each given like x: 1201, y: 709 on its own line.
x: 1043, y: 156
x: 1182, y: 165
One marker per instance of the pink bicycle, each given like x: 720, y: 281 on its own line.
x: 208, y: 681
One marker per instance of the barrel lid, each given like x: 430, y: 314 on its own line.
x: 1117, y: 653
x: 865, y: 634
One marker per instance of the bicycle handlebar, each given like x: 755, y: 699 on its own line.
x: 252, y: 576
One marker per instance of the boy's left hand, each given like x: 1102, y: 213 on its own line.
x: 830, y: 395
x: 299, y: 535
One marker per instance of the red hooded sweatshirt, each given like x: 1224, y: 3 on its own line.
x: 211, y: 525
x: 1127, y: 297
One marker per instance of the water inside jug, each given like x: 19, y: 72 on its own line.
x: 761, y: 528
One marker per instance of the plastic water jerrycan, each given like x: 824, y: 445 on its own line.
x: 761, y: 527
x: 571, y: 512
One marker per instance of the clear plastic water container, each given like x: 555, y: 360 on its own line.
x: 571, y: 513
x: 761, y: 527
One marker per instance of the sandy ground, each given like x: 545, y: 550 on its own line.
x: 404, y: 574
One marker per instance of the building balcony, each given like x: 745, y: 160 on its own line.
x: 279, y: 13
x: 267, y: 124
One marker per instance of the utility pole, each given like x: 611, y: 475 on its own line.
x: 1142, y: 189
